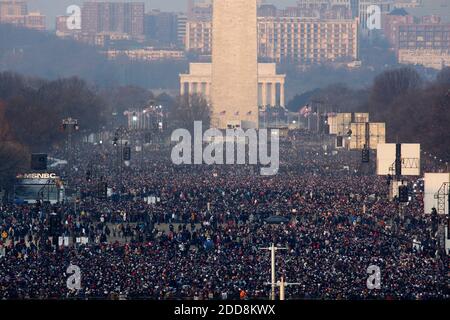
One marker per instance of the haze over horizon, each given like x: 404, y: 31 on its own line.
x: 149, y: 156
x: 53, y: 8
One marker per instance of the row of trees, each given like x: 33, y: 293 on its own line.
x: 188, y: 109
x: 45, y: 55
x: 31, y: 112
x: 414, y: 110
x: 32, y: 109
x: 181, y: 111
x: 13, y: 155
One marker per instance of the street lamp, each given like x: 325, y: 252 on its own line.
x: 69, y: 125
x: 118, y: 138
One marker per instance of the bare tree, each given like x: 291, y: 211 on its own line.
x: 189, y: 109
x: 13, y: 156
x: 34, y: 113
x: 443, y: 76
x: 391, y: 84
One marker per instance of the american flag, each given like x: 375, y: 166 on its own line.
x: 306, y: 111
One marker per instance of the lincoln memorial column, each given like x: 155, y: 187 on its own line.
x: 273, y: 94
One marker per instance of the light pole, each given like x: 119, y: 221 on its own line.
x: 118, y: 138
x: 114, y: 117
x: 69, y: 125
x: 283, y: 285
x: 273, y: 283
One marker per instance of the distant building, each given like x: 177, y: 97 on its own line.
x: 61, y: 26
x: 290, y: 39
x: 391, y: 23
x: 271, y: 86
x: 424, y: 36
x: 432, y: 7
x: 406, y: 32
x: 363, y: 14
x: 146, y: 54
x: 424, y: 44
x: 199, y: 10
x: 431, y: 19
x: 101, y: 39
x: 181, y: 28
x: 199, y: 37
x: 429, y: 58
x: 113, y: 17
x: 35, y: 20
x: 408, y: 3
x: 13, y: 8
x: 327, y: 9
x: 267, y: 10
x: 313, y: 4
x: 385, y: 6
x: 300, y: 35
x: 292, y: 12
x: 354, y: 8
x: 307, y: 41
x: 16, y: 13
x: 161, y: 28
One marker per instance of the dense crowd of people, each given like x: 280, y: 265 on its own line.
x: 196, y: 232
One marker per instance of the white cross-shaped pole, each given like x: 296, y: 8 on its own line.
x: 273, y: 249
x: 282, y: 285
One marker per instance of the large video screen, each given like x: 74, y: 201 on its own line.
x: 410, y: 157
x: 31, y: 190
x: 433, y: 198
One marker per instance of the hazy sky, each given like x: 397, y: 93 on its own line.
x: 52, y: 8
x: 58, y: 6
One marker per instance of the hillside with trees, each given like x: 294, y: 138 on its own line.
x: 31, y: 112
x: 414, y: 110
x: 41, y: 54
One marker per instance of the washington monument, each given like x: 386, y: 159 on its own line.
x: 235, y: 63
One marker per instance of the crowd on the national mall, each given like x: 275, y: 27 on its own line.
x: 196, y: 232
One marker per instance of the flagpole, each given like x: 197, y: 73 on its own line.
x: 265, y: 117
x: 309, y: 122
